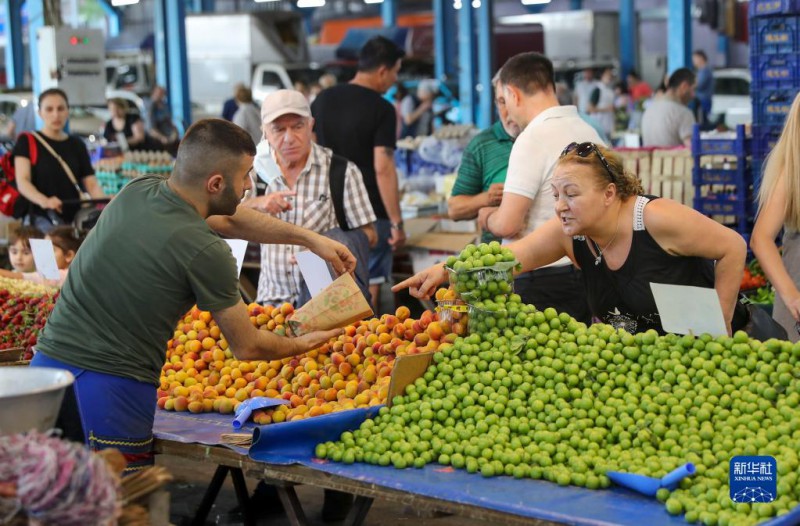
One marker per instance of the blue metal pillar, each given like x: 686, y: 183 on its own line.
x: 114, y: 17
x: 389, y: 13
x: 627, y: 36
x: 444, y: 39
x: 485, y: 17
x: 160, y: 43
x: 576, y: 5
x: 15, y: 53
x: 679, y: 34
x: 467, y: 64
x: 723, y: 44
x: 35, y: 22
x: 177, y: 61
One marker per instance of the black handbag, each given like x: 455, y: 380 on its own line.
x: 761, y: 326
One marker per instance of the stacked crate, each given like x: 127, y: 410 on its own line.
x: 722, y: 178
x: 775, y: 68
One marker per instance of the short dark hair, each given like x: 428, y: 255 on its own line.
x: 634, y: 74
x: 210, y: 146
x: 702, y: 54
x: 53, y: 91
x: 378, y: 51
x: 66, y: 238
x: 679, y: 76
x: 24, y: 234
x: 530, y: 72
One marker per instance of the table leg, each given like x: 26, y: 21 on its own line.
x: 358, y: 514
x: 292, y: 506
x: 240, y: 486
x: 210, y: 496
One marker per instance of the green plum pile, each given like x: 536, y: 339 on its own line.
x: 482, y: 272
x: 547, y: 397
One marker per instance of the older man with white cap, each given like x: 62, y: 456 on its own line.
x: 309, y: 186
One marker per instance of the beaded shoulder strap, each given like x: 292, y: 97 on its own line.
x: 638, y: 213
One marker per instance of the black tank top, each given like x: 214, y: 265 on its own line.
x: 622, y: 297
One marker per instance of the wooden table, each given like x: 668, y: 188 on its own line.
x: 285, y: 477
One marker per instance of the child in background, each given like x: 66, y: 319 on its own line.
x: 19, y: 248
x: 66, y: 241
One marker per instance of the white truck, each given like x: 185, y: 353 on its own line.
x: 267, y: 51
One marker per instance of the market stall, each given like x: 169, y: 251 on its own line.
x: 542, y: 407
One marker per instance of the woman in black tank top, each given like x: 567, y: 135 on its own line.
x: 623, y: 241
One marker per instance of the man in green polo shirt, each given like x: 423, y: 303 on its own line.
x: 483, y: 167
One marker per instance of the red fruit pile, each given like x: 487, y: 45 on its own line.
x: 23, y: 312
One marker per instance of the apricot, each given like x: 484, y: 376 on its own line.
x: 181, y: 403
x: 402, y: 313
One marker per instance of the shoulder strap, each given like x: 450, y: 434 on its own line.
x: 638, y: 212
x: 61, y: 161
x: 336, y: 179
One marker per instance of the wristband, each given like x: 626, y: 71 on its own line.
x: 397, y: 226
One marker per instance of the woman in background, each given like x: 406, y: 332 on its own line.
x: 123, y: 124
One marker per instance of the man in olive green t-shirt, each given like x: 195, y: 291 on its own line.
x: 482, y: 172
x: 153, y: 254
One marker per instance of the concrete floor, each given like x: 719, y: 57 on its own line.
x: 191, y: 480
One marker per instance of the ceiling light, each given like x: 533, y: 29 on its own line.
x: 310, y: 3
x: 535, y: 2
x: 373, y: 1
x: 117, y: 3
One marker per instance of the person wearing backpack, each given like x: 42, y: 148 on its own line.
x: 309, y: 186
x: 56, y: 170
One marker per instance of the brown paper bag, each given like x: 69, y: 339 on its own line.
x: 339, y: 304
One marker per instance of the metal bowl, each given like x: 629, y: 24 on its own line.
x: 30, y: 397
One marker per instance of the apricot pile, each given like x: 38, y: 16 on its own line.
x: 201, y: 373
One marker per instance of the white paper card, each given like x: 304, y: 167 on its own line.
x: 689, y: 309
x: 45, y: 258
x: 314, y: 270
x: 238, y: 247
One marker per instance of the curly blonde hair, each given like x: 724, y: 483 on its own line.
x: 627, y: 184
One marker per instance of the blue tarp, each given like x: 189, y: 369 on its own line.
x: 294, y: 442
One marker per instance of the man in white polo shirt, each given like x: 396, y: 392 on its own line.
x: 528, y: 85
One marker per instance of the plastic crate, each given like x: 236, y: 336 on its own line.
x: 775, y: 71
x: 720, y: 176
x: 774, y: 35
x: 723, y: 205
x: 773, y: 7
x: 734, y: 144
x: 771, y: 106
x: 764, y: 139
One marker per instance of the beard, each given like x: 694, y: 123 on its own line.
x: 226, y: 203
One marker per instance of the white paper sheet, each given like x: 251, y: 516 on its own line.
x: 45, y: 258
x: 314, y: 270
x: 689, y: 309
x: 238, y: 248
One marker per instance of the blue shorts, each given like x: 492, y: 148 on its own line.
x: 107, y: 411
x: 381, y: 255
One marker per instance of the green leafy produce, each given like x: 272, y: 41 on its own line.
x: 549, y: 398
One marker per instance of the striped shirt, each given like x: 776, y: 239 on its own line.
x: 484, y: 163
x: 280, y: 279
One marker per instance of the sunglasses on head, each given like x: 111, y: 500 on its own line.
x: 585, y: 149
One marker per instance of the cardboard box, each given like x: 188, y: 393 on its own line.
x: 431, y: 241
x: 406, y: 369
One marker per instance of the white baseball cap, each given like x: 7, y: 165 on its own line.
x: 284, y: 102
